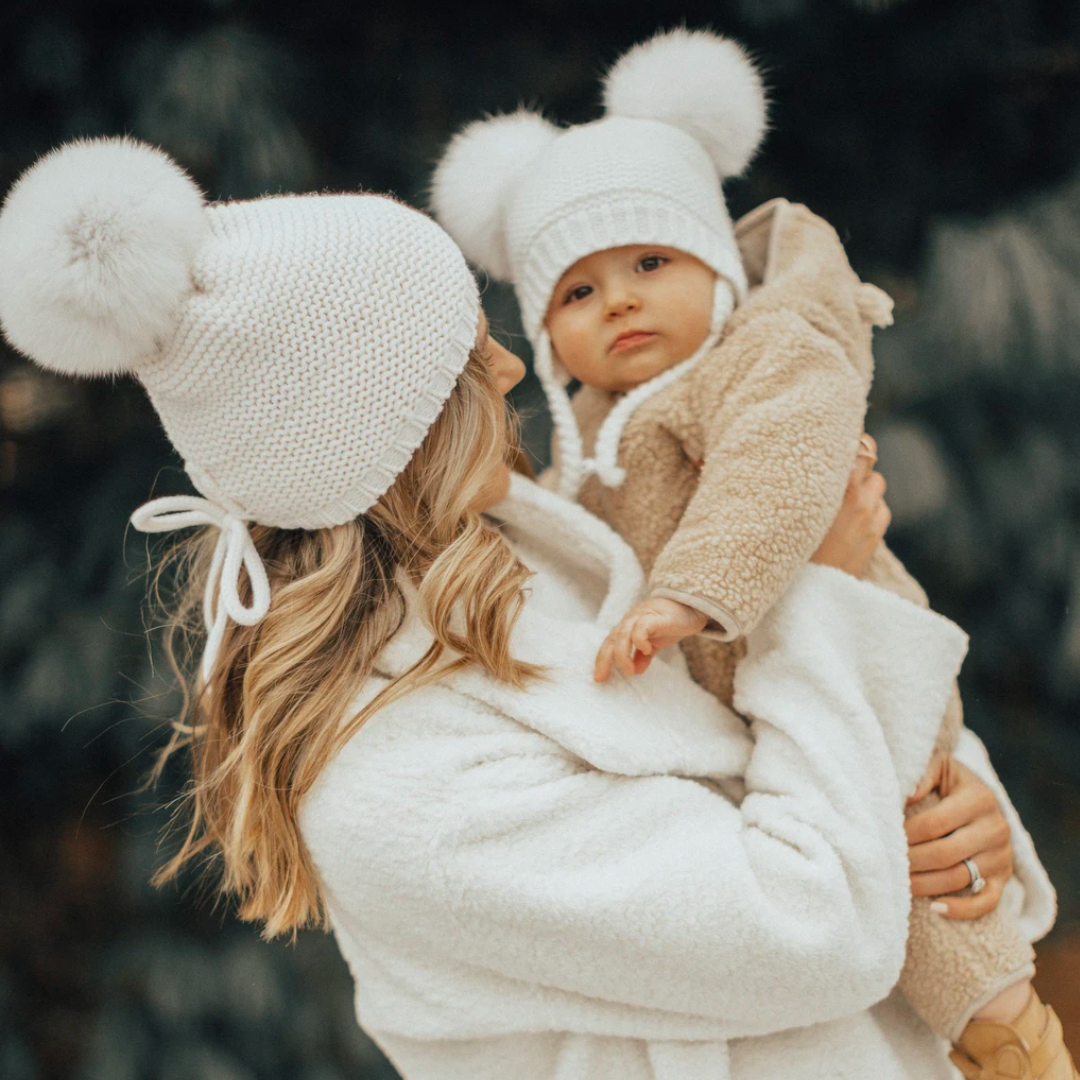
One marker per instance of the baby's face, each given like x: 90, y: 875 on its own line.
x: 618, y: 317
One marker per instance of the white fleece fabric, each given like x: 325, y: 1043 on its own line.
x: 553, y: 883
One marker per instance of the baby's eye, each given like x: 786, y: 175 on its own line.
x: 577, y: 293
x: 651, y: 262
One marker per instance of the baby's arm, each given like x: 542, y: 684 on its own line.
x: 657, y: 622
x: 779, y: 414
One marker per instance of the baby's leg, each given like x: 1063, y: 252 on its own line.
x: 955, y: 968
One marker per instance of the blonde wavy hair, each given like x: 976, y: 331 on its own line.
x: 275, y: 710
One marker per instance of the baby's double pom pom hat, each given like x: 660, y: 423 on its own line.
x: 526, y: 199
x: 296, y: 348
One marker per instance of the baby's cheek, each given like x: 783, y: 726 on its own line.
x: 693, y: 332
x: 576, y: 348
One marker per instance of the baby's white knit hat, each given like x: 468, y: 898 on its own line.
x: 526, y: 199
x: 296, y: 348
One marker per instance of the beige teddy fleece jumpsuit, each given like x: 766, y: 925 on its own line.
x: 734, y: 474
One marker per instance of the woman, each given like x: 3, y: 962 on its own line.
x: 396, y: 730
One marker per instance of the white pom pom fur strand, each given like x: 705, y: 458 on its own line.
x: 700, y: 82
x: 477, y: 175
x: 97, y: 242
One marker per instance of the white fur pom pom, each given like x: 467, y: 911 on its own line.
x: 475, y: 178
x: 697, y: 81
x: 97, y: 241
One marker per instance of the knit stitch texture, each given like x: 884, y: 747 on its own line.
x: 322, y: 336
x: 297, y: 348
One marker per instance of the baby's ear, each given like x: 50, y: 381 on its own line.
x: 697, y: 81
x: 476, y: 178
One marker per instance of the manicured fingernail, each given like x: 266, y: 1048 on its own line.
x: 938, y: 907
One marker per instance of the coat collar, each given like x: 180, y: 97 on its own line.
x: 657, y: 723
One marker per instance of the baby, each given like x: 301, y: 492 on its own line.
x: 724, y: 378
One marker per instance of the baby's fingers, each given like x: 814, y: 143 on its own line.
x: 623, y: 652
x: 602, y: 668
x: 639, y: 636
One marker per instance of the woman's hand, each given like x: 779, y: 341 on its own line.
x: 966, y: 824
x: 853, y: 537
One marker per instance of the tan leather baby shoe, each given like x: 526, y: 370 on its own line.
x: 1030, y: 1048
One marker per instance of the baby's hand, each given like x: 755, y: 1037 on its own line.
x: 644, y: 630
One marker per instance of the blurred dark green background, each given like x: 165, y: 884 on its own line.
x: 941, y: 137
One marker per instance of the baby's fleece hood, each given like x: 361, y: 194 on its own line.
x: 526, y: 199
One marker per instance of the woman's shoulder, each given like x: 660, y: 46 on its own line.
x: 412, y: 775
x: 412, y: 754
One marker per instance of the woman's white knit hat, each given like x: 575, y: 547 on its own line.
x: 526, y: 199
x: 296, y: 348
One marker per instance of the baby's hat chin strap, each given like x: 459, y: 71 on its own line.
x: 235, y: 550
x: 568, y: 444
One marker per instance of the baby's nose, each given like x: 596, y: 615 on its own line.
x: 621, y: 304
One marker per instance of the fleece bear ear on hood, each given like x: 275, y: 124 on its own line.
x: 697, y: 81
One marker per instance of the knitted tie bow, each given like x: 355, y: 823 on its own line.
x: 235, y: 549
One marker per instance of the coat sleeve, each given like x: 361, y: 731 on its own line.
x: 779, y: 425
x: 656, y: 894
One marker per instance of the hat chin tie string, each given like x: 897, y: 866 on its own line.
x: 235, y: 550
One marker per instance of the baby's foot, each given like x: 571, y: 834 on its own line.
x: 1030, y: 1048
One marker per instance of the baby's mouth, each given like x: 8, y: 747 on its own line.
x: 631, y: 339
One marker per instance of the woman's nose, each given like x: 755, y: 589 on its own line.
x: 508, y: 368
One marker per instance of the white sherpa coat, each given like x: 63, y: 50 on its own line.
x: 553, y: 883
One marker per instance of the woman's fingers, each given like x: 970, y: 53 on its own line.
x: 995, y: 863
x: 926, y: 785
x: 865, y: 458
x: 966, y: 824
x: 872, y: 493
x: 965, y: 802
x: 881, y: 520
x: 984, y: 834
x: 940, y: 882
x: 933, y: 778
x: 971, y: 907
